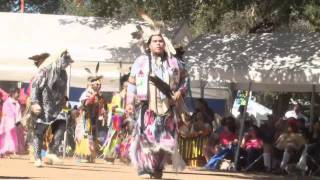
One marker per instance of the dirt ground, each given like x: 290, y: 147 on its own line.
x: 20, y: 168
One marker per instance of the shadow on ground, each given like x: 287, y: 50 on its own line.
x: 16, y: 177
x: 82, y: 169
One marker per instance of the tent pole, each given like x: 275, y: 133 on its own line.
x: 312, y: 107
x: 243, y: 117
x: 201, y: 89
x: 69, y: 82
x: 120, y: 74
x: 65, y: 132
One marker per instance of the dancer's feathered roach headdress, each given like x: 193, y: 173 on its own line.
x: 39, y: 58
x: 55, y: 59
x: 143, y: 33
x: 53, y: 65
x: 93, y: 76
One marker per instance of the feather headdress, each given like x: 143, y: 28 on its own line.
x: 143, y: 34
x: 39, y: 58
x: 54, y: 65
x: 55, y: 59
x: 93, y: 76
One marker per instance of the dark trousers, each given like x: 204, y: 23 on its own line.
x: 252, y: 155
x: 58, y: 129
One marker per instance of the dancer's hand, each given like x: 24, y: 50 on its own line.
x: 177, y: 96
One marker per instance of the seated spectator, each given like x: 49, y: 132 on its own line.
x: 194, y: 126
x: 252, y: 144
x: 228, y: 132
x: 227, y: 142
x: 290, y: 141
x: 213, y: 145
x: 211, y: 148
x: 200, y: 126
x: 207, y: 114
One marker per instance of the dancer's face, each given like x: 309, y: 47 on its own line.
x: 16, y: 95
x: 96, y: 85
x: 157, y: 45
x: 65, y: 60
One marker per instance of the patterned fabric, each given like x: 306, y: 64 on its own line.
x: 48, y: 91
x: 111, y: 148
x: 155, y: 135
x: 124, y: 147
x: 50, y: 99
x: 112, y: 144
x: 8, y: 130
x: 38, y: 141
x: 167, y: 70
x: 37, y: 145
x: 92, y: 107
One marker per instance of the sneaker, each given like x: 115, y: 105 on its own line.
x: 38, y: 163
x: 47, y: 161
x: 53, y: 159
x: 109, y: 162
x: 84, y: 161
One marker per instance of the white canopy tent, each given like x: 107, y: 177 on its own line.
x: 273, y: 62
x: 88, y: 39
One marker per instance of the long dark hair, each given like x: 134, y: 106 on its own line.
x: 231, y: 124
x: 148, y: 51
x: 13, y: 90
x: 206, y: 106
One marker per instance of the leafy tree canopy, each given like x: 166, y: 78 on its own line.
x: 203, y: 16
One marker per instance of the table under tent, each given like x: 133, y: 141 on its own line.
x: 279, y: 62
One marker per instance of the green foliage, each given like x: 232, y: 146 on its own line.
x: 203, y: 16
x: 312, y: 13
x: 72, y: 8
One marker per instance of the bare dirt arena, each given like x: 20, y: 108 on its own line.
x: 20, y: 168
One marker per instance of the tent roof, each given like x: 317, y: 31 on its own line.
x: 88, y: 39
x: 271, y: 61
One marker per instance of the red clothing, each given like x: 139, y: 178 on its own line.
x: 227, y: 137
x: 3, y: 95
x: 253, y: 143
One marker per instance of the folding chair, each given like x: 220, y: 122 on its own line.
x: 253, y: 163
x: 315, y: 163
x: 302, y: 164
